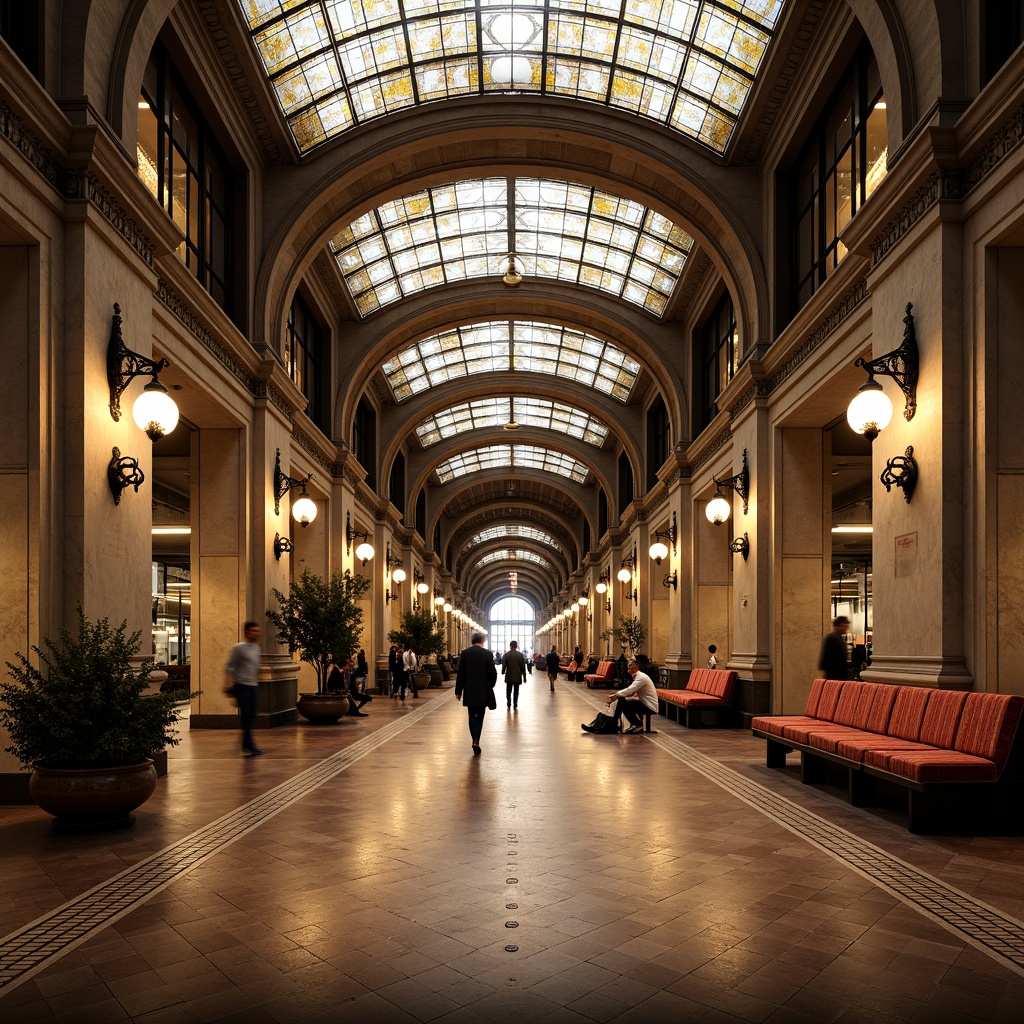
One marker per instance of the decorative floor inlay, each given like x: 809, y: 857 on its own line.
x: 30, y: 949
x: 984, y: 927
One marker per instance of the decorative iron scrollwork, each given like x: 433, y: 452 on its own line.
x: 901, y: 471
x: 123, y: 472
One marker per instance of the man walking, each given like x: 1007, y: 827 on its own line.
x: 552, y: 665
x: 241, y: 681
x: 474, y: 685
x: 513, y: 668
x: 832, y: 660
x: 409, y: 665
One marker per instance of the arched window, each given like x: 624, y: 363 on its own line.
x: 511, y: 618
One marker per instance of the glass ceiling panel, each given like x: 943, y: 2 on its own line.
x: 494, y: 412
x: 685, y: 64
x: 512, y: 532
x: 512, y: 554
x: 559, y: 230
x: 507, y: 456
x: 536, y: 347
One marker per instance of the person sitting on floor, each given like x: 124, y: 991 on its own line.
x: 640, y: 692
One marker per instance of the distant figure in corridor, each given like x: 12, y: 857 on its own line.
x: 474, y: 685
x: 241, y: 681
x: 832, y: 660
x: 552, y: 663
x: 513, y: 668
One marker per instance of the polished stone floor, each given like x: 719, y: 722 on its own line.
x: 377, y: 871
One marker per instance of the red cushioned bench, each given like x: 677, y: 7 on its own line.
x: 708, y: 692
x: 604, y: 676
x: 940, y: 745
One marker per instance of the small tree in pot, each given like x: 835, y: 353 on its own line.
x: 418, y: 628
x: 321, y: 620
x: 83, y: 722
x: 630, y: 633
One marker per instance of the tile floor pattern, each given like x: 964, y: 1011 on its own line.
x: 376, y: 871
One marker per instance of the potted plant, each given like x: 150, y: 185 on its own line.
x: 418, y: 628
x: 630, y: 633
x: 322, y: 621
x: 83, y: 723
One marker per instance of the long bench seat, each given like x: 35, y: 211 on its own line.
x: 708, y: 693
x: 940, y: 745
x: 604, y: 676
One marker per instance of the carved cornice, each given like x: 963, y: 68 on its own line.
x: 712, y: 448
x: 1004, y: 142
x: 313, y: 449
x: 198, y: 329
x: 784, y: 77
x: 239, y: 80
x: 947, y: 183
x: 74, y: 183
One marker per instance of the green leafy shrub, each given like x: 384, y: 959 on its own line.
x: 85, y: 706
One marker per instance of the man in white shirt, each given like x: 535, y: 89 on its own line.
x: 409, y: 665
x: 641, y: 691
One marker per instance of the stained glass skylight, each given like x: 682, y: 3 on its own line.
x: 516, y: 554
x: 536, y: 348
x: 512, y: 456
x: 511, y: 532
x: 494, y: 412
x: 559, y: 231
x: 336, y: 64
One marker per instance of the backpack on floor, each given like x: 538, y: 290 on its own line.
x: 602, y: 725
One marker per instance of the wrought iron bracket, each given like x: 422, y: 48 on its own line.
x: 902, y: 364
x: 741, y: 546
x: 284, y: 483
x: 124, y: 365
x: 123, y: 472
x: 901, y: 471
x: 739, y: 482
x: 282, y: 546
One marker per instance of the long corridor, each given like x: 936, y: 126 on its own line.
x: 377, y: 871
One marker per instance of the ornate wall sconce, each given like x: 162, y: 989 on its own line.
x: 154, y: 410
x: 392, y: 560
x: 901, y: 471
x: 123, y: 472
x: 718, y: 508
x: 658, y: 550
x: 304, y: 507
x: 364, y: 552
x: 625, y: 575
x: 671, y: 580
x: 282, y: 546
x: 389, y: 597
x: 870, y: 411
x: 741, y: 546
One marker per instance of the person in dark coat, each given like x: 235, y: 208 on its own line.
x: 552, y: 663
x: 832, y: 661
x: 474, y: 685
x: 513, y: 668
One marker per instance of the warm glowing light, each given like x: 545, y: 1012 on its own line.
x: 422, y: 588
x: 852, y: 529
x: 658, y: 551
x: 601, y: 587
x: 155, y: 411
x: 625, y: 575
x: 718, y: 509
x: 870, y: 411
x: 304, y: 509
x: 171, y: 531
x: 364, y: 552
x: 399, y: 576
x: 439, y: 600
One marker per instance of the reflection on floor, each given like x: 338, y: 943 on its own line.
x: 377, y: 871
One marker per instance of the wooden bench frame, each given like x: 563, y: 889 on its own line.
x: 928, y: 803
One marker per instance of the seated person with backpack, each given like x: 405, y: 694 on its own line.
x: 640, y: 692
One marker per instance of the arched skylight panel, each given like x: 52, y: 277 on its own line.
x: 514, y: 554
x: 512, y: 609
x: 335, y: 64
x: 504, y: 456
x: 561, y: 230
x: 536, y: 348
x: 529, y: 412
x: 514, y: 532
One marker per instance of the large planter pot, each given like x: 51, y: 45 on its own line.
x: 92, y: 799
x: 322, y: 708
x: 436, y: 675
x: 422, y: 680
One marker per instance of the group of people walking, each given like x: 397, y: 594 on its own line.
x: 402, y: 666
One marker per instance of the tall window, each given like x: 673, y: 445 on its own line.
x: 510, y: 619
x: 364, y: 441
x: 625, y: 482
x: 657, y: 440
x: 20, y: 27
x: 303, y: 345
x: 182, y: 165
x: 839, y: 167
x: 421, y: 512
x: 719, y: 353
x: 602, y: 513
x: 396, y: 485
x: 1001, y: 22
